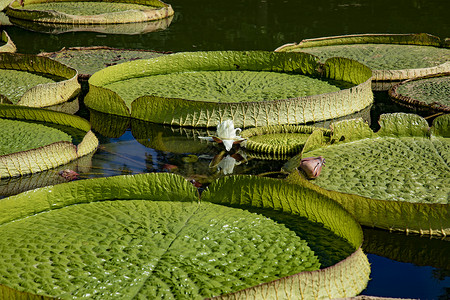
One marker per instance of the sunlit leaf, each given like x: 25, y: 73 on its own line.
x: 428, y: 92
x: 88, y: 60
x: 30, y: 147
x: 251, y: 88
x: 35, y: 81
x: 397, y: 178
x: 149, y: 236
x: 390, y: 56
x: 90, y: 12
x: 6, y: 44
x: 125, y: 28
x: 277, y: 140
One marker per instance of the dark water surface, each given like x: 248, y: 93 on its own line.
x: 402, y: 266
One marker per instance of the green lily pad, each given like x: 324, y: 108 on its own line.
x: 149, y: 236
x: 89, y: 8
x: 277, y: 140
x: 88, y: 60
x: 222, y: 86
x: 90, y: 12
x: 35, y: 81
x: 31, y: 147
x: 15, y: 136
x: 68, y: 107
x: 16, y: 83
x: 6, y: 44
x: 429, y: 92
x: 398, y: 177
x: 15, y: 185
x: 252, y: 88
x: 4, y: 20
x: 390, y: 56
x: 4, y: 4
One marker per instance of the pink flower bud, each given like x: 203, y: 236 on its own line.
x: 312, y: 166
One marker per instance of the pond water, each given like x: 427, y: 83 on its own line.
x: 402, y: 266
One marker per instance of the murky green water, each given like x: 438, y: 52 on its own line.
x: 399, y: 269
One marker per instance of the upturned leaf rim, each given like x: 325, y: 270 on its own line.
x: 49, y: 156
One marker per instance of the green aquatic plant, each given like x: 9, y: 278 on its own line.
x: 89, y: 12
x: 117, y: 89
x: 149, y: 235
x: 377, y: 177
x: 14, y: 185
x: 4, y: 4
x: 15, y: 136
x: 279, y: 140
x: 238, y: 86
x: 6, y: 44
x: 88, y: 60
x: 390, y: 56
x: 29, y: 147
x: 428, y: 92
x: 30, y: 80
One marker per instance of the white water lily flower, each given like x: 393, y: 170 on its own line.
x: 226, y: 134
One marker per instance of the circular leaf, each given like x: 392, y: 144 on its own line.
x: 30, y: 147
x: 147, y: 235
x: 397, y: 178
x: 252, y: 88
x: 36, y: 81
x: 390, y: 56
x: 428, y: 92
x: 6, y: 44
x: 90, y: 12
x: 88, y: 60
x: 277, y: 140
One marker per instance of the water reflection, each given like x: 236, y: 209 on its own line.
x: 419, y: 267
x: 419, y: 250
x: 127, y: 28
x: 259, y: 25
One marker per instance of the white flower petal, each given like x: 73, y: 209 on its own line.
x: 225, y: 130
x: 228, y: 144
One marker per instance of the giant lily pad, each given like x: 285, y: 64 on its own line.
x: 35, y: 81
x: 280, y: 140
x: 4, y: 20
x: 256, y: 88
x: 428, y: 92
x: 88, y: 60
x: 4, y: 4
x: 397, y: 178
x: 90, y: 12
x: 30, y: 147
x: 15, y: 185
x: 149, y: 236
x: 6, y: 44
x: 390, y: 56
